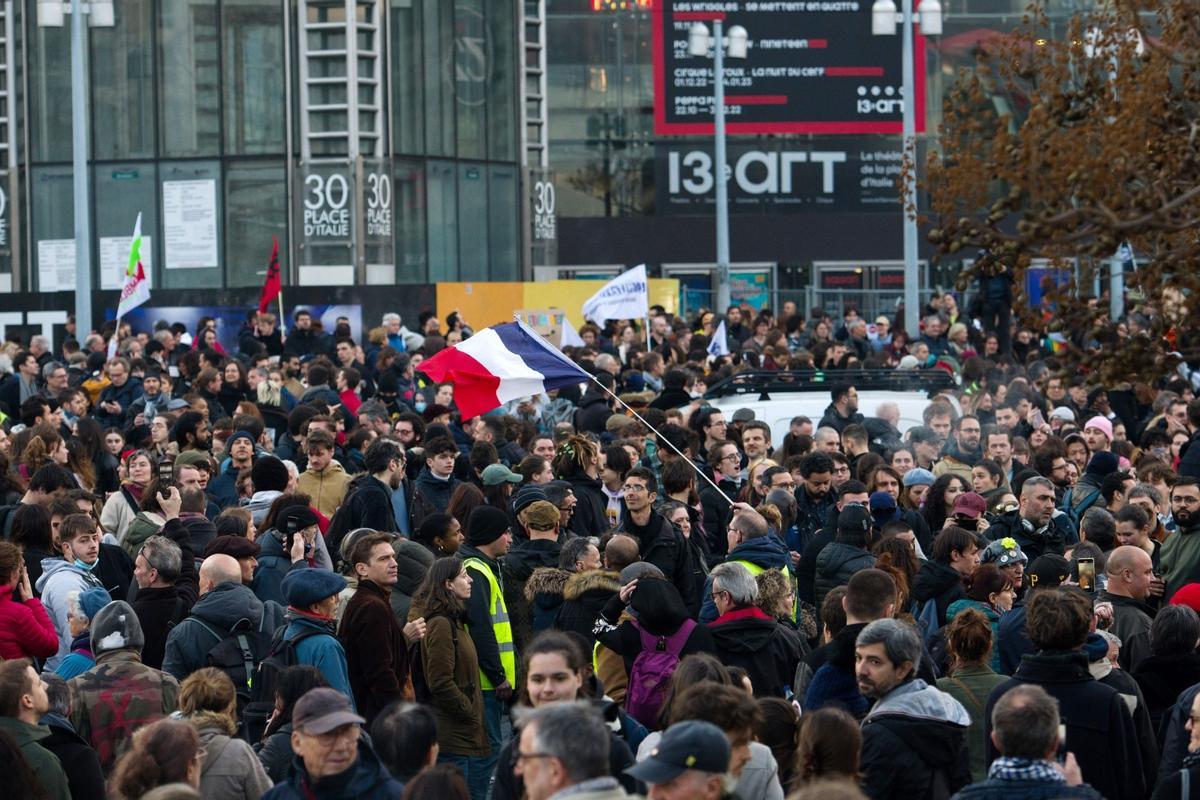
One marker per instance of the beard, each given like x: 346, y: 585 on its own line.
x: 1184, y: 518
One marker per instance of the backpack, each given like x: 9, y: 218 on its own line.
x: 280, y: 654
x: 339, y: 525
x: 238, y: 653
x: 6, y: 520
x: 1075, y: 512
x: 416, y: 668
x: 928, y: 622
x: 652, y: 671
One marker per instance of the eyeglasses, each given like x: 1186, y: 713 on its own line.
x: 731, y: 457
x: 634, y: 488
x: 518, y: 756
x: 1187, y: 501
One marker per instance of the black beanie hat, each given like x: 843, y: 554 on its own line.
x: 485, y: 525
x: 269, y: 474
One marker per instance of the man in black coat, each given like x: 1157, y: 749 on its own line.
x: 165, y: 571
x: 79, y: 761
x: 596, y: 406
x: 748, y: 638
x: 843, y: 410
x: 660, y: 542
x: 724, y: 460
x: 1100, y: 729
x: 852, y: 493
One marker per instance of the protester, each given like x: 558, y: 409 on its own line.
x: 230, y: 769
x: 23, y: 702
x: 162, y: 753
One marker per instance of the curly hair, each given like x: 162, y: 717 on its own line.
x: 774, y: 589
x: 574, y: 454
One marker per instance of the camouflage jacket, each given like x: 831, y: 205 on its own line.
x: 116, y: 697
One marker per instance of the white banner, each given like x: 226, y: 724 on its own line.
x: 569, y: 336
x: 719, y: 346
x: 626, y: 296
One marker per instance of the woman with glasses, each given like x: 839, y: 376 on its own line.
x: 446, y: 676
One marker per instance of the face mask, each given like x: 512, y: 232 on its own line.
x: 420, y: 405
x: 695, y: 395
x: 86, y: 567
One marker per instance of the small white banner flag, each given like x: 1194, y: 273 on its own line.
x: 626, y: 296
x: 569, y: 337
x: 719, y: 346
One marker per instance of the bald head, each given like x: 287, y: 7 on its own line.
x: 751, y: 524
x: 620, y: 552
x: 1130, y: 572
x: 217, y: 569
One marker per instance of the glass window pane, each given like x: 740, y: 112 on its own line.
x: 252, y: 71
x: 122, y: 191
x: 50, y: 93
x: 255, y: 210
x: 411, y: 262
x: 473, y: 239
x: 502, y: 91
x: 408, y: 85
x: 195, y: 227
x: 53, y: 220
x: 439, y: 41
x: 122, y: 73
x: 473, y: 55
x: 503, y: 224
x: 442, y: 222
x: 190, y: 86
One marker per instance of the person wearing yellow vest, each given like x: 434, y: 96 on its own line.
x: 751, y: 545
x: 488, y: 539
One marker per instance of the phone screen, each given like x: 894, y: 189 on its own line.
x: 166, y: 473
x: 1087, y: 574
x: 1039, y: 419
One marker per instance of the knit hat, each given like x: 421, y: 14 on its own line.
x: 413, y: 561
x: 918, y: 477
x: 269, y: 474
x: 525, y: 495
x: 1003, y: 552
x: 854, y: 519
x: 191, y: 458
x: 743, y: 415
x: 1102, y: 463
x: 1063, y: 413
x: 542, y: 516
x: 496, y: 474
x: 1102, y: 424
x: 970, y: 504
x: 116, y: 627
x: 91, y: 601
x: 1047, y: 572
x: 638, y: 570
x: 236, y: 546
x: 239, y: 435
x: 909, y: 362
x: 485, y: 525
x: 1188, y: 595
x: 306, y: 587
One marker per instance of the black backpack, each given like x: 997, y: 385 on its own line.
x: 238, y: 653
x: 340, y: 524
x: 281, y: 654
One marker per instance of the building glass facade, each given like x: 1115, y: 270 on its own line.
x: 211, y: 118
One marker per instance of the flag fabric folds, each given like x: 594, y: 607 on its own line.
x: 719, y: 346
x: 626, y: 296
x: 135, y: 287
x: 273, y: 284
x: 499, y: 364
x: 569, y: 336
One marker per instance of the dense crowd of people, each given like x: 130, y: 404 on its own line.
x: 295, y: 571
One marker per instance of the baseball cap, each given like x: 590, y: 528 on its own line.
x: 743, y: 415
x: 854, y: 519
x: 496, y: 474
x: 1047, y: 572
x: 322, y: 710
x: 691, y: 744
x: 970, y: 504
x: 541, y: 515
x: 918, y: 477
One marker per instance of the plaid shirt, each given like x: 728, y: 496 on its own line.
x: 1024, y: 769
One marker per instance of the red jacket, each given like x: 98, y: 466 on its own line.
x: 25, y: 629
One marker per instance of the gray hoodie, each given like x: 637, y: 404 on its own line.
x: 58, y: 580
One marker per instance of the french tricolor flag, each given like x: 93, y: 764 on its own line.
x: 499, y: 364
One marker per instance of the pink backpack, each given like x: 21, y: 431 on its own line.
x: 652, y: 671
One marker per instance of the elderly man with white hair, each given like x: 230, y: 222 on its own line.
x: 399, y: 337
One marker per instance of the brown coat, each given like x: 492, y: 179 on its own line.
x: 376, y: 651
x: 452, y: 674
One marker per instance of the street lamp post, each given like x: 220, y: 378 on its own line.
x: 699, y: 43
x: 883, y: 23
x: 99, y: 14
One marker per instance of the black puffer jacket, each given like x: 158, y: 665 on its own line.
x: 836, y: 564
x: 748, y: 638
x: 938, y: 581
x: 584, y: 597
x: 591, y: 512
x: 593, y: 412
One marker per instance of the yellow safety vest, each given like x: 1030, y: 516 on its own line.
x: 755, y: 570
x: 501, y: 627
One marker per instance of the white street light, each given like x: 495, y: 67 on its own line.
x: 99, y: 14
x: 737, y: 43
x: 883, y: 23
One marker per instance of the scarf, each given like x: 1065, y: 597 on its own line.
x: 1024, y: 769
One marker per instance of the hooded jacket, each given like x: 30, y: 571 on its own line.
x: 1100, y: 730
x: 836, y: 564
x: 914, y: 744
x: 1162, y: 679
x: 326, y: 487
x: 748, y: 638
x: 522, y: 562
x: 763, y: 551
x: 25, y: 628
x: 274, y: 563
x: 430, y: 495
x: 833, y: 419
x: 59, y: 579
x: 367, y: 779
x: 231, y: 770
x: 659, y: 612
x: 957, y: 461
x: 77, y: 758
x: 593, y: 411
x: 220, y: 608
x: 31, y: 740
x: 322, y: 650
x: 938, y: 581
x: 584, y: 596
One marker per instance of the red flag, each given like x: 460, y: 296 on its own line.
x: 273, y: 286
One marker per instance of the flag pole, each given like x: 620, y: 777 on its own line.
x: 628, y: 408
x: 649, y: 344
x: 282, y: 328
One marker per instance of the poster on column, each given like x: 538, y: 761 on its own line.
x: 190, y: 224
x: 56, y: 265
x: 114, y: 260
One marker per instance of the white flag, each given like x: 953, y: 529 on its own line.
x: 719, y: 346
x: 569, y: 336
x: 626, y: 296
x: 135, y: 288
